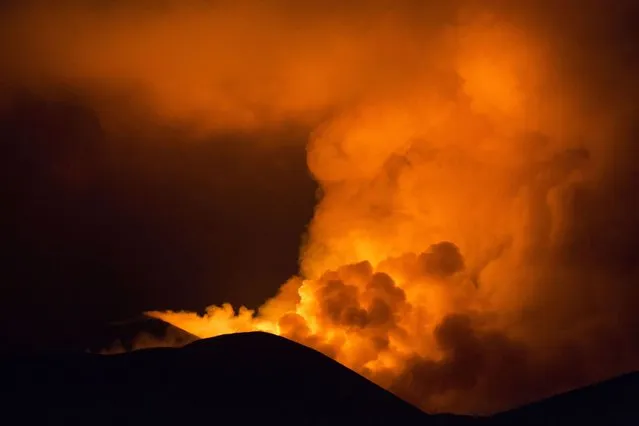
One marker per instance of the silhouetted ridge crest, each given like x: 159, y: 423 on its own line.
x: 614, y: 401
x: 255, y: 377
x: 247, y: 377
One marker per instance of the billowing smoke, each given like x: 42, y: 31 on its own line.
x: 474, y: 245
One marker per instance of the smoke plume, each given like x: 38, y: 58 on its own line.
x: 475, y: 240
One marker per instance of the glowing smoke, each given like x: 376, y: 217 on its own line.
x: 455, y: 255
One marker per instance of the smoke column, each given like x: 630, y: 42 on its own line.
x: 473, y: 246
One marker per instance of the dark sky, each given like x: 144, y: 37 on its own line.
x: 99, y: 227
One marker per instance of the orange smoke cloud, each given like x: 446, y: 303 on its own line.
x: 450, y: 144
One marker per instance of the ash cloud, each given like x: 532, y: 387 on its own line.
x: 476, y: 164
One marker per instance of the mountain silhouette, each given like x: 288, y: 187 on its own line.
x: 612, y: 402
x: 251, y: 378
x: 243, y: 378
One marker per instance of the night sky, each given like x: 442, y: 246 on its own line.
x: 99, y: 227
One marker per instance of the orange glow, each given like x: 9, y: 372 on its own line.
x: 401, y: 175
x: 444, y: 139
x: 418, y: 208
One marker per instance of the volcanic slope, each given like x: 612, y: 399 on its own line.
x: 253, y: 378
x: 612, y: 402
x: 242, y: 378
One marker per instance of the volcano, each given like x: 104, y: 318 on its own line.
x: 247, y: 378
